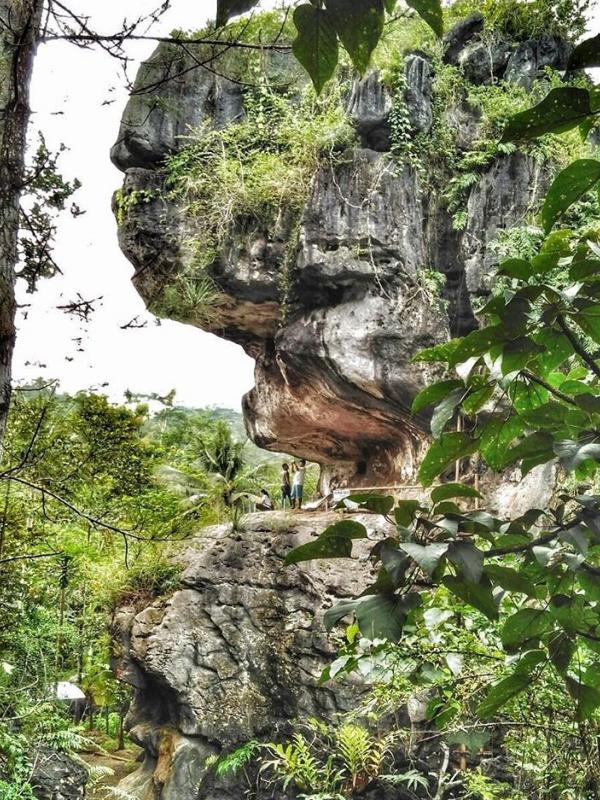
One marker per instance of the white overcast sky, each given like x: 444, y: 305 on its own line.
x: 77, y: 98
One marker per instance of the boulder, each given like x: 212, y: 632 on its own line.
x: 460, y: 35
x: 235, y: 654
x: 57, y: 776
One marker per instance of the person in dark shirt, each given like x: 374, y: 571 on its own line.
x: 286, y: 485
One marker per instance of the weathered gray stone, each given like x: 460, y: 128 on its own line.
x: 369, y: 106
x: 531, y: 57
x: 235, y: 654
x: 419, y: 78
x: 462, y: 33
x: 56, y: 776
x: 483, y: 61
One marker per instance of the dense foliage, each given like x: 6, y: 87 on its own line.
x: 93, y: 497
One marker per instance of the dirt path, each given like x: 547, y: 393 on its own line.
x: 121, y: 763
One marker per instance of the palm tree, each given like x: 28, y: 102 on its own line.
x: 222, y: 457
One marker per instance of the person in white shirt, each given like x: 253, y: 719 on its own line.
x: 298, y: 469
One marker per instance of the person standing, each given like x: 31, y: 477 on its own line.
x: 298, y: 468
x: 286, y: 486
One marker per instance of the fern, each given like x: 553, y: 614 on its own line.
x: 233, y: 762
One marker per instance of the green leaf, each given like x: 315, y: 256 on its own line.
x: 478, y: 595
x: 476, y: 343
x: 537, y: 448
x: 444, y: 412
x: 447, y: 490
x: 231, y: 8
x: 511, y: 686
x: 468, y: 559
x: 378, y: 616
x: 377, y: 503
x: 395, y: 561
x: 334, y: 542
x: 526, y: 624
x: 517, y: 353
x: 561, y: 110
x: 475, y: 401
x: 434, y: 393
x: 589, y: 267
x: 445, y: 451
x: 516, y: 268
x: 405, y: 511
x: 568, y: 186
x: 510, y: 580
x: 586, y: 54
x: 496, y: 436
x: 316, y: 46
x: 426, y: 556
x: 589, y: 320
x: 359, y: 25
x: 431, y: 12
x: 383, y: 617
x: 561, y: 649
x: 587, y: 699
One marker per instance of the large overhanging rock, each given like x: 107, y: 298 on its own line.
x: 334, y: 372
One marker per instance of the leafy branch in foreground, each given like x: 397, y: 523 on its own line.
x: 324, y: 26
x: 526, y: 387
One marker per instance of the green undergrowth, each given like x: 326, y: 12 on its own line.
x: 253, y: 177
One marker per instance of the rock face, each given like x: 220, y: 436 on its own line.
x: 334, y: 378
x: 56, y: 776
x: 235, y: 654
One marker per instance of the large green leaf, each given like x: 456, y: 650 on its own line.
x: 476, y: 343
x: 230, y: 8
x: 568, y: 186
x: 526, y: 624
x: 588, y: 319
x: 445, y: 451
x: 434, y: 393
x: 468, y: 559
x: 496, y: 436
x: 587, y: 699
x: 517, y: 353
x: 378, y: 616
x: 431, y: 12
x: 427, y: 556
x: 447, y: 490
x: 405, y: 512
x: 444, y: 412
x: 511, y: 686
x: 510, y: 580
x: 395, y: 561
x: 561, y: 110
x: 537, y: 448
x: 478, y: 595
x: 359, y: 24
x: 377, y: 503
x: 316, y: 45
x: 383, y: 617
x: 334, y: 542
x: 561, y: 648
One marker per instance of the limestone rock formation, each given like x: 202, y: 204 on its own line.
x: 235, y: 654
x: 57, y: 776
x: 334, y: 377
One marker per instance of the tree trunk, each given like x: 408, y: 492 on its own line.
x: 19, y: 31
